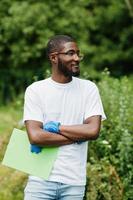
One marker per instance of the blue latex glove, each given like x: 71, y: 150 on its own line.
x: 35, y: 149
x: 80, y: 142
x: 51, y: 127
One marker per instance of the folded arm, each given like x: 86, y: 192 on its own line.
x: 68, y: 133
x: 87, y: 131
x: 42, y: 138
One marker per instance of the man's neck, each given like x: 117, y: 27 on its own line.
x: 61, y: 78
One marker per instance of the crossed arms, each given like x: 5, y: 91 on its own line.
x: 68, y: 133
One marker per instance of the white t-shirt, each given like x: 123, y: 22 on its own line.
x: 70, y: 103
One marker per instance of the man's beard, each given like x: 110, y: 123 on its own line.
x: 65, y: 71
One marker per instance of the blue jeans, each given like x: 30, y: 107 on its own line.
x: 48, y: 190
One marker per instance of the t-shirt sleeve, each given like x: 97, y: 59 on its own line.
x: 94, y: 104
x: 32, y: 106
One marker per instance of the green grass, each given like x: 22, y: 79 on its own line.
x: 10, y: 116
x: 12, y: 182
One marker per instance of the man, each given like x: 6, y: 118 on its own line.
x: 74, y: 106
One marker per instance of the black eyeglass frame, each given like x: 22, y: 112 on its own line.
x: 71, y: 53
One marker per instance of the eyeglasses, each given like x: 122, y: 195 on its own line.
x: 72, y: 53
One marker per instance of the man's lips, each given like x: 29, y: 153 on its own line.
x: 75, y: 68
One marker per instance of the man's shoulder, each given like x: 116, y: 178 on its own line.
x: 38, y: 84
x: 85, y: 82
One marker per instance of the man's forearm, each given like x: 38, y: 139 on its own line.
x: 89, y: 131
x: 44, y: 138
x: 68, y: 134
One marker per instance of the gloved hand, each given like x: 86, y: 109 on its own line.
x: 80, y: 142
x: 35, y: 149
x: 51, y: 127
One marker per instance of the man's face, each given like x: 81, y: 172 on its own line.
x: 68, y: 60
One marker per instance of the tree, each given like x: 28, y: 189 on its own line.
x: 111, y: 33
x: 103, y: 30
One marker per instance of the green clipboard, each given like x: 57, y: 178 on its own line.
x: 19, y: 156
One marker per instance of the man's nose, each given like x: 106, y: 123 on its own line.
x: 76, y: 57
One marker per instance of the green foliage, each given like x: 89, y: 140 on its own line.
x: 103, y: 30
x: 115, y: 143
x: 103, y: 182
x: 110, y: 35
x: 25, y: 27
x: 12, y: 182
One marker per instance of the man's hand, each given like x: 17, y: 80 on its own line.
x: 52, y: 127
x: 35, y: 149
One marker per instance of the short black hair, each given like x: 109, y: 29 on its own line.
x: 55, y: 43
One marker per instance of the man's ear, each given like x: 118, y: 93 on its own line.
x: 53, y: 57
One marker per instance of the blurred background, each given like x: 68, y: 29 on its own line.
x: 103, y: 30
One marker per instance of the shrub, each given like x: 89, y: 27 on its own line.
x: 115, y: 143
